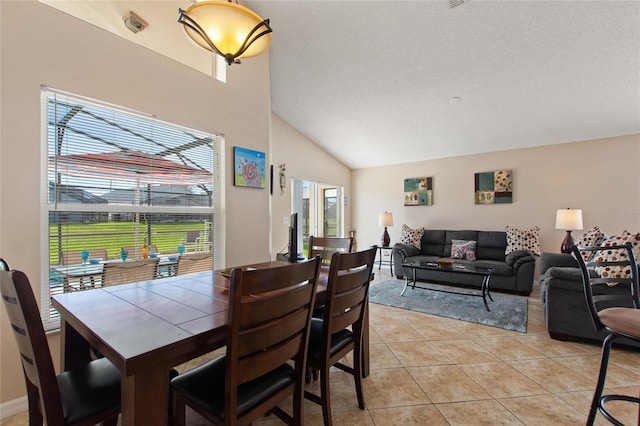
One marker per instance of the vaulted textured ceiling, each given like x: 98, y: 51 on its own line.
x: 371, y: 81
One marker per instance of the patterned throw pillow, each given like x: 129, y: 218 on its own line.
x: 523, y: 239
x: 411, y: 236
x: 591, y: 238
x: 615, y: 255
x: 461, y: 249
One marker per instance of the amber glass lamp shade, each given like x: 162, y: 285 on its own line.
x: 227, y: 29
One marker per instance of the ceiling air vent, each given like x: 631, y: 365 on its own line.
x: 454, y: 3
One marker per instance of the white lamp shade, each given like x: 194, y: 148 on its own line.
x: 569, y: 219
x: 385, y: 219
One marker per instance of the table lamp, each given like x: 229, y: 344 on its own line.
x: 385, y: 219
x: 568, y: 219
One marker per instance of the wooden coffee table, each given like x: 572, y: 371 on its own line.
x: 485, y: 273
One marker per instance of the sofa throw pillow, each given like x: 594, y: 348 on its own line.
x: 462, y: 249
x: 523, y: 239
x: 591, y: 238
x: 615, y: 255
x: 411, y: 236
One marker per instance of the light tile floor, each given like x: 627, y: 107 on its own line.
x: 429, y: 370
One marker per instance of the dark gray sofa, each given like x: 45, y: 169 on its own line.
x: 512, y: 272
x: 563, y: 301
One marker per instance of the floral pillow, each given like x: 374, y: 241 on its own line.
x: 523, y: 239
x: 462, y: 249
x: 411, y: 236
x: 591, y: 238
x: 616, y: 255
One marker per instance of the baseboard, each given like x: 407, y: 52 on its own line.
x: 11, y: 408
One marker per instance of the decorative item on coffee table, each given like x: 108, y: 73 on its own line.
x: 445, y: 262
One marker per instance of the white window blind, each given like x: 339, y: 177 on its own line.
x: 119, y: 179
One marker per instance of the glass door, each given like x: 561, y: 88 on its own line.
x: 320, y: 206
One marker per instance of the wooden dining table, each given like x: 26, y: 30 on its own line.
x: 147, y: 328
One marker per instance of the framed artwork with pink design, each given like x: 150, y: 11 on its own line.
x: 249, y: 168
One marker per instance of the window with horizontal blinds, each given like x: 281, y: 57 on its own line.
x: 118, y: 180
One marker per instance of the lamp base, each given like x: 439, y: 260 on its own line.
x: 385, y: 239
x: 567, y: 243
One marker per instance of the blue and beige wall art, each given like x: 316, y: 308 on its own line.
x: 418, y: 191
x: 494, y: 187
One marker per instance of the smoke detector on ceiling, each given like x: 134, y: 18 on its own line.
x: 134, y: 23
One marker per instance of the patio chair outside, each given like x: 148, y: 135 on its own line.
x: 192, y: 240
x: 194, y: 262
x: 128, y: 272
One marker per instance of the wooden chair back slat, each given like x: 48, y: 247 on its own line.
x: 278, y: 331
x: 270, y: 305
x: 262, y: 362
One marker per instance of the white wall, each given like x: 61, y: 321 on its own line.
x: 602, y: 177
x: 304, y: 160
x: 43, y: 46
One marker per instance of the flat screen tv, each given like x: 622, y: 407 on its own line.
x: 293, y: 238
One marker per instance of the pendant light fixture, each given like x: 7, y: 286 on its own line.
x: 227, y: 29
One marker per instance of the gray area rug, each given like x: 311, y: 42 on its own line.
x: 507, y: 312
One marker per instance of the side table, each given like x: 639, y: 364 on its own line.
x: 389, y: 262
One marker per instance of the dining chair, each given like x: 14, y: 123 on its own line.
x: 4, y: 266
x: 135, y: 252
x: 341, y: 327
x: 326, y: 246
x: 194, y: 262
x: 83, y: 396
x: 115, y: 273
x: 269, y: 317
x: 618, y: 315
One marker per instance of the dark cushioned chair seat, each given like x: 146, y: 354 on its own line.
x: 338, y: 340
x: 88, y: 390
x: 204, y: 385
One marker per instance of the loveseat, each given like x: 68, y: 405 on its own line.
x: 563, y: 301
x: 513, y: 272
